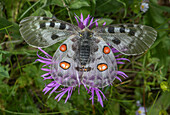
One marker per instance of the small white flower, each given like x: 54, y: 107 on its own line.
x: 140, y: 111
x: 144, y: 7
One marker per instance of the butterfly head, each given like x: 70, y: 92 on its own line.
x: 86, y: 34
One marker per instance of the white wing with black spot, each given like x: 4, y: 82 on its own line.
x: 103, y: 66
x: 42, y: 31
x: 129, y: 39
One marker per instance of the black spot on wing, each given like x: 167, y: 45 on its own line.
x: 116, y: 41
x: 111, y: 29
x: 130, y: 25
x: 121, y: 25
x: 52, y: 24
x: 97, y: 40
x: 42, y: 25
x: 54, y: 36
x: 132, y: 32
x: 62, y: 26
x: 60, y: 74
x: 53, y: 20
x: 45, y: 18
x: 73, y: 39
x: 122, y: 30
x: 74, y: 47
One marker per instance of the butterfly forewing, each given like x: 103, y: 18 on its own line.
x: 43, y: 32
x: 129, y: 39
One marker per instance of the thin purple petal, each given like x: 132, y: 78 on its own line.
x: 123, y: 59
x: 69, y: 93
x: 104, y: 23
x: 97, y: 25
x: 50, y: 77
x: 76, y: 20
x: 91, y: 21
x: 49, y: 87
x: 102, y: 94
x: 99, y: 97
x: 42, y: 61
x: 122, y: 74
x: 45, y: 53
x: 56, y: 87
x: 46, y: 74
x: 118, y: 55
x: 118, y: 79
x: 45, y: 69
x: 43, y: 57
x: 114, y: 50
x: 81, y: 18
x: 118, y: 62
x: 64, y: 91
x: 85, y: 22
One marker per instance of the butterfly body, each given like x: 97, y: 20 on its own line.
x: 85, y: 46
x: 85, y: 56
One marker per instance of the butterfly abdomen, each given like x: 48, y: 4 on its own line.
x: 84, y: 51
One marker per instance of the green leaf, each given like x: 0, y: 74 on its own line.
x: 31, y: 71
x: 156, y: 14
x: 0, y: 57
x: 39, y: 12
x: 108, y: 6
x: 57, y: 2
x: 52, y: 103
x: 4, y: 71
x: 113, y: 108
x: 80, y: 99
x: 161, y: 104
x: 103, y: 20
x: 11, y: 27
x: 64, y: 107
x: 48, y: 13
x: 24, y: 81
x: 78, y: 4
x: 165, y: 86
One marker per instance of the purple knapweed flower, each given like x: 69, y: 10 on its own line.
x: 60, y: 90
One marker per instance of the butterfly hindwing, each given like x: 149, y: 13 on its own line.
x: 42, y: 31
x: 64, y: 63
x: 103, y: 66
x: 129, y: 39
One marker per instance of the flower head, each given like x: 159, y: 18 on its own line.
x: 59, y: 89
x: 144, y: 6
x: 141, y: 111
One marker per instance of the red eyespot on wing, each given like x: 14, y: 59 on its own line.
x: 63, y: 47
x: 65, y: 65
x: 102, y: 67
x: 106, y: 50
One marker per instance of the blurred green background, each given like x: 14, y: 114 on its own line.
x: 149, y: 74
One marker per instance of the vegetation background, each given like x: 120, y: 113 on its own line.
x: 149, y: 74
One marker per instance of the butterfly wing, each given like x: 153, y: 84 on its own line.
x: 129, y: 39
x: 103, y: 66
x: 42, y: 31
x: 65, y: 61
